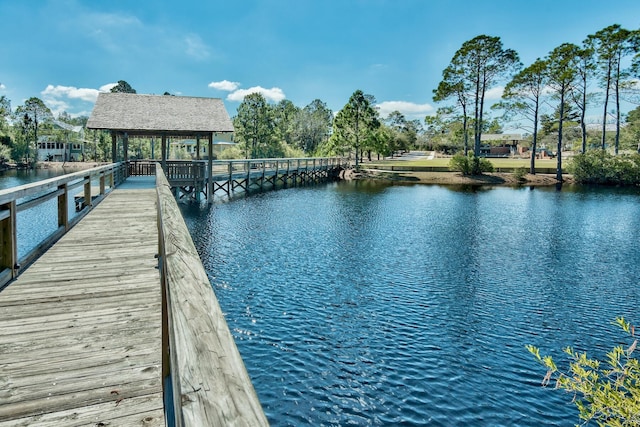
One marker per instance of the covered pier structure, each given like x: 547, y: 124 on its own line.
x: 165, y: 118
x: 162, y: 117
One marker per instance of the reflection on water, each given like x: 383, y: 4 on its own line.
x: 376, y: 305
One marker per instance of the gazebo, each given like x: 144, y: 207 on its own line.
x: 161, y: 116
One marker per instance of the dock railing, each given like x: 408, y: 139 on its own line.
x: 209, y: 382
x: 190, y: 169
x: 18, y: 199
x: 279, y: 165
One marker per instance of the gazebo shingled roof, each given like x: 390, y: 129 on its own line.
x: 138, y: 114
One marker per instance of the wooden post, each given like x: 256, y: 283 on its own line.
x: 8, y: 239
x: 114, y: 147
x: 164, y: 153
x: 87, y: 191
x: 197, y: 147
x: 230, y: 186
x: 248, y: 181
x: 125, y: 147
x: 102, y: 184
x: 63, y: 209
x: 210, y: 173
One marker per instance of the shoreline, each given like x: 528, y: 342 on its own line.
x: 456, y: 178
x: 74, y: 166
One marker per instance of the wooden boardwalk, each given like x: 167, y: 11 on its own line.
x: 81, y: 329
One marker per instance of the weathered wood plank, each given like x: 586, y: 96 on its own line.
x: 209, y: 376
x: 80, y: 330
x: 135, y: 411
x: 78, y: 320
x: 79, y: 398
x: 98, y: 341
x: 41, y: 312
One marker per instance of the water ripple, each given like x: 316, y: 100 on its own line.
x: 412, y: 305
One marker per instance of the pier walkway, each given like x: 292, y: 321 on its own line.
x: 81, y: 328
x: 115, y: 323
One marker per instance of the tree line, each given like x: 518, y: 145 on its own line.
x: 20, y: 130
x: 548, y: 99
x: 561, y: 83
x: 265, y: 130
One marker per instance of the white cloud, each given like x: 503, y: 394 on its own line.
x: 85, y: 94
x: 56, y: 106
x: 409, y: 109
x: 2, y: 87
x: 274, y: 94
x: 494, y: 93
x: 225, y: 85
x: 59, y: 98
x: 114, y: 20
x: 107, y: 87
x: 196, y: 48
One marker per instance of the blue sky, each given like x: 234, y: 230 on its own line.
x: 65, y: 51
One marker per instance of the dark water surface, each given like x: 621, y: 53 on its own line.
x: 360, y: 304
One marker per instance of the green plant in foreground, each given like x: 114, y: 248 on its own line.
x: 607, y: 392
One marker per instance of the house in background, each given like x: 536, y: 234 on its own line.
x: 71, y: 149
x: 221, y: 141
x: 500, y: 144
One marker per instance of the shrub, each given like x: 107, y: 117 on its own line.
x: 607, y: 392
x: 520, y: 174
x: 461, y: 163
x: 231, y: 153
x: 485, y: 166
x: 600, y: 167
x: 470, y: 165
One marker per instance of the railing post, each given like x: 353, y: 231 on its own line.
x: 102, y: 183
x: 87, y: 192
x: 63, y: 208
x: 8, y: 240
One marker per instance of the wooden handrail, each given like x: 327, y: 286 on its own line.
x: 210, y: 384
x: 147, y: 167
x: 24, y: 197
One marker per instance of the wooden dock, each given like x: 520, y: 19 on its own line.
x: 201, y: 179
x: 81, y: 329
x: 116, y: 324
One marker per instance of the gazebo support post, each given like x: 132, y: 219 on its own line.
x: 125, y: 150
x: 114, y: 147
x: 164, y: 154
x: 210, y: 170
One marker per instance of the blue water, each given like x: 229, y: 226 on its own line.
x: 364, y: 304
x: 14, y: 178
x: 36, y: 224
